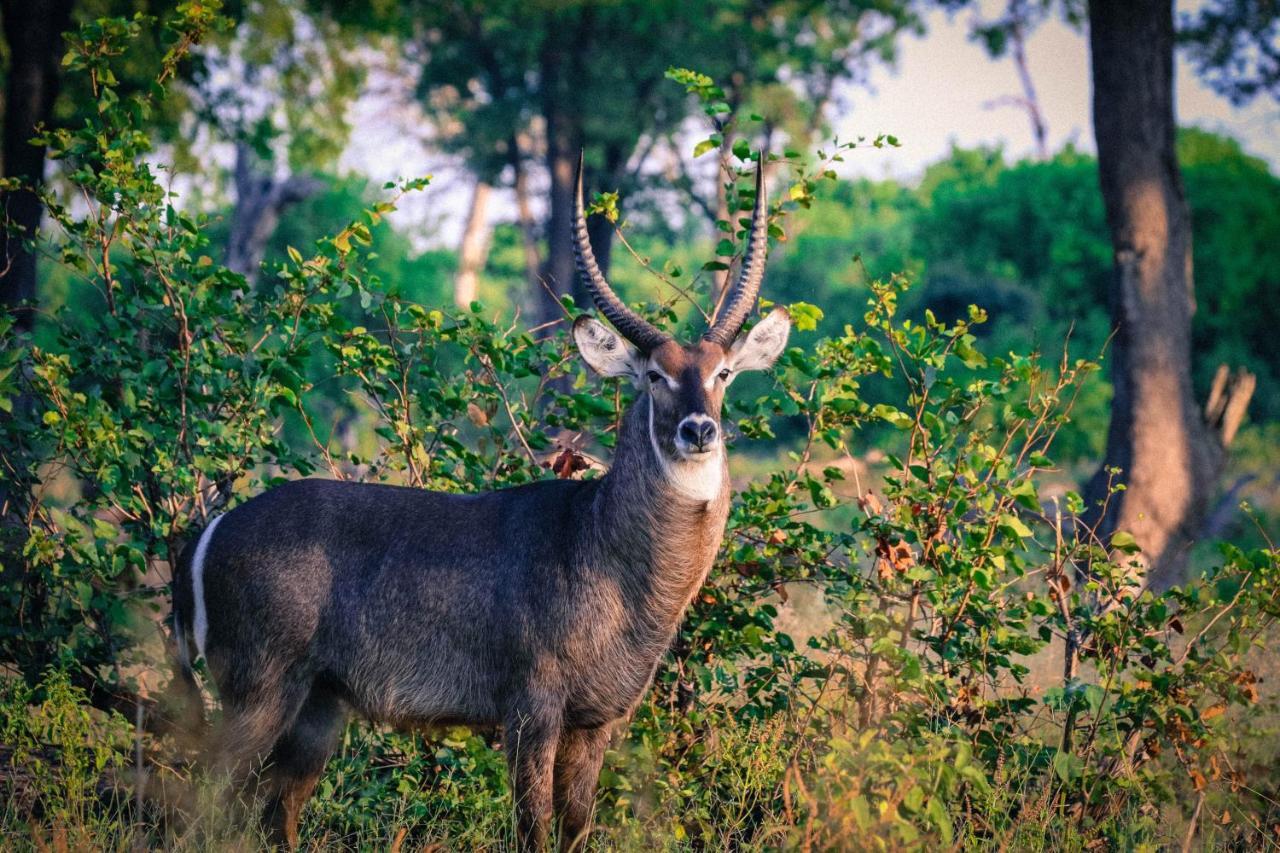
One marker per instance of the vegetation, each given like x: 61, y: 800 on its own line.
x: 921, y: 645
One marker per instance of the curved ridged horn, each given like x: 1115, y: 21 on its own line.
x: 632, y: 326
x: 742, y: 298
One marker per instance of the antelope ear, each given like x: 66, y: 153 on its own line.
x: 759, y: 348
x: 604, y: 350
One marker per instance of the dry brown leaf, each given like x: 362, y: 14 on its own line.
x: 899, y: 554
x: 477, y: 415
x: 568, y: 463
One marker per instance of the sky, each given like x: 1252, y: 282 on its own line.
x: 939, y: 90
x: 936, y: 94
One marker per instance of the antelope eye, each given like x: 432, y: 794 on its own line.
x: 655, y: 376
x: 724, y: 374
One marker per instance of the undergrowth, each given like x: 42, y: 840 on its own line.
x: 973, y: 669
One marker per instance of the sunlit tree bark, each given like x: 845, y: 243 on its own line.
x: 1169, y: 452
x: 473, y: 248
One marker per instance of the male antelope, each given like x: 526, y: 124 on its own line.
x: 543, y: 608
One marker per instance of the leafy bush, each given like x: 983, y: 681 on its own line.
x: 57, y: 751
x: 900, y: 706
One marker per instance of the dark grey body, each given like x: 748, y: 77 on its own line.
x: 543, y: 608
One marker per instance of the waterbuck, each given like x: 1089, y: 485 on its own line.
x: 543, y: 608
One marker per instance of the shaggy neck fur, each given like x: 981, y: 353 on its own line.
x: 666, y: 516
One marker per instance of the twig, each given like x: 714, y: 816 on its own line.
x: 1191, y: 826
x: 506, y: 404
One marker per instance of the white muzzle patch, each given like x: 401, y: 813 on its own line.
x: 698, y: 478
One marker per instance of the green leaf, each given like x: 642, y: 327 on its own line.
x: 1067, y: 766
x: 1122, y: 540
x: 1024, y: 492
x: 804, y: 317
x: 1011, y: 525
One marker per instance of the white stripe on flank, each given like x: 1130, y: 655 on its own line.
x: 201, y: 623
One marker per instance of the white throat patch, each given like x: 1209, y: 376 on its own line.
x: 697, y: 480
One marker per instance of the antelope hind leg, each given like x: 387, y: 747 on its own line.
x: 297, y: 762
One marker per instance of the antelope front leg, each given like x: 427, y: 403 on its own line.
x: 531, y: 739
x: 578, y: 760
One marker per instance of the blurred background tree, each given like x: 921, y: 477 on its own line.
x: 35, y: 95
x: 512, y: 84
x: 509, y: 93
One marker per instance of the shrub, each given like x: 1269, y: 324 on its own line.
x: 902, y: 711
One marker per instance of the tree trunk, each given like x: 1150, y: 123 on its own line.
x: 528, y: 227
x: 260, y: 200
x: 473, y: 251
x: 559, y: 274
x: 600, y: 229
x: 563, y: 144
x: 1169, y: 454
x: 34, y: 33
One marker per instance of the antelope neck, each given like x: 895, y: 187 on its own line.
x: 669, y: 538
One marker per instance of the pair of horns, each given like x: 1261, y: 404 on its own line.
x: 737, y: 305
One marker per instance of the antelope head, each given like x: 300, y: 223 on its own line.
x: 684, y: 383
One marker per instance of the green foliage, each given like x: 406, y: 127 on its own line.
x: 61, y: 748
x: 1029, y: 242
x: 1235, y: 216
x: 860, y: 668
x: 280, y: 83
x: 1233, y: 47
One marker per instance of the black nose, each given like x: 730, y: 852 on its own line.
x: 699, y: 433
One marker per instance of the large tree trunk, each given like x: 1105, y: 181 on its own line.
x: 720, y: 278
x: 473, y: 250
x: 33, y: 30
x: 1169, y: 454
x: 559, y: 275
x: 564, y: 142
x: 260, y: 200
